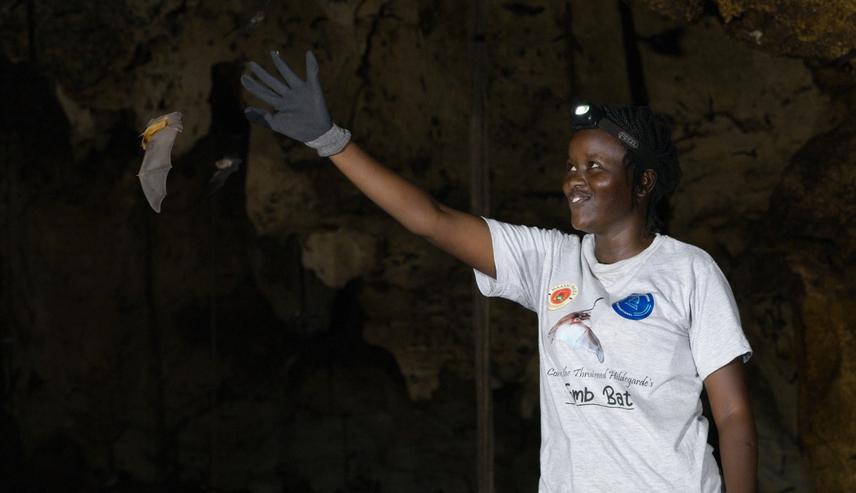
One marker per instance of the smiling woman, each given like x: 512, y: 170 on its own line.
x: 624, y: 413
x: 615, y: 180
x: 671, y: 322
x: 599, y: 186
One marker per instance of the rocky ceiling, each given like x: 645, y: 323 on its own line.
x: 304, y: 282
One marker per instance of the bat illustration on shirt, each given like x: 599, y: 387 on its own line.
x: 158, y: 139
x: 573, y: 330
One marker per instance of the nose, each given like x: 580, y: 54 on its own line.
x: 573, y: 179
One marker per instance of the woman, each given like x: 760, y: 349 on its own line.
x: 632, y: 323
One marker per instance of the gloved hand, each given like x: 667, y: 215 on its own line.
x: 299, y: 108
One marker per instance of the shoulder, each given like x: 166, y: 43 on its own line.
x: 685, y: 255
x: 532, y: 234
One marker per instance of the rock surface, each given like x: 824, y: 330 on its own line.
x: 804, y: 28
x: 815, y: 205
x: 284, y: 334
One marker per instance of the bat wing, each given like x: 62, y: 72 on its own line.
x: 579, y: 335
x: 157, y: 162
x: 590, y: 341
x: 220, y: 176
x: 566, y: 320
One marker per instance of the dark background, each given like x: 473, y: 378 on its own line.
x: 285, y: 335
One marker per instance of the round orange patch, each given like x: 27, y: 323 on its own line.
x: 560, y: 295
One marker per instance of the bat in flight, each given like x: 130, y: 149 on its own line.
x: 158, y: 139
x: 225, y: 168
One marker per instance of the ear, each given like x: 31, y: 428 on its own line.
x: 646, y: 183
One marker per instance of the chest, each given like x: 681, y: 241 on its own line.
x: 636, y: 324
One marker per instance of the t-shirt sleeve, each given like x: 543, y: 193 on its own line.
x: 519, y: 253
x: 716, y: 336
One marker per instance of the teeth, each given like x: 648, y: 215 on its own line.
x: 575, y: 200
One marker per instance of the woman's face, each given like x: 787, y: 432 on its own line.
x: 598, y: 185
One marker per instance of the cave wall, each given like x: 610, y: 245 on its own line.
x: 284, y: 334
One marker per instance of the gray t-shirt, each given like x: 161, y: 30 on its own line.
x: 624, y: 350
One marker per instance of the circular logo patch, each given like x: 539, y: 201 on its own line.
x: 635, y: 307
x: 561, y: 295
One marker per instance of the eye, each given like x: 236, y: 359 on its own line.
x: 594, y: 165
x: 570, y: 167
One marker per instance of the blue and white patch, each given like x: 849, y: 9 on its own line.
x: 635, y: 307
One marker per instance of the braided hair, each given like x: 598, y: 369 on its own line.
x: 653, y: 131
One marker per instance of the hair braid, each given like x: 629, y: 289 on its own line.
x: 653, y: 131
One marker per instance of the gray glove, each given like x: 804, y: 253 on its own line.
x: 299, y: 108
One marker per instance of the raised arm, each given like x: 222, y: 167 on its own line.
x: 462, y: 235
x: 300, y: 112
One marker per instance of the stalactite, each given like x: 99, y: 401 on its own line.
x: 571, y: 47
x: 479, y: 205
x: 635, y: 73
x: 212, y: 334
x: 155, y: 363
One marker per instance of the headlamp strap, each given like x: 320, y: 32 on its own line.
x: 630, y: 141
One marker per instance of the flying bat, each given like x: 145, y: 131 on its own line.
x: 253, y: 22
x: 158, y: 139
x: 225, y: 168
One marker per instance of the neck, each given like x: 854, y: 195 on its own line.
x: 614, y: 247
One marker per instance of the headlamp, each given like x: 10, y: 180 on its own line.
x: 588, y: 116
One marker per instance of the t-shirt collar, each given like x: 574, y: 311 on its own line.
x: 620, y: 268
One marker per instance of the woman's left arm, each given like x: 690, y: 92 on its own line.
x: 738, y: 442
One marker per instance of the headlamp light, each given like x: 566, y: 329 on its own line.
x: 588, y: 116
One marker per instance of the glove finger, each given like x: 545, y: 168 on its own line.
x: 269, y: 122
x: 260, y: 91
x: 290, y: 77
x: 257, y: 115
x: 311, y: 63
x: 271, y: 81
x: 312, y: 70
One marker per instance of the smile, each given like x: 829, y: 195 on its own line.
x: 577, y: 198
